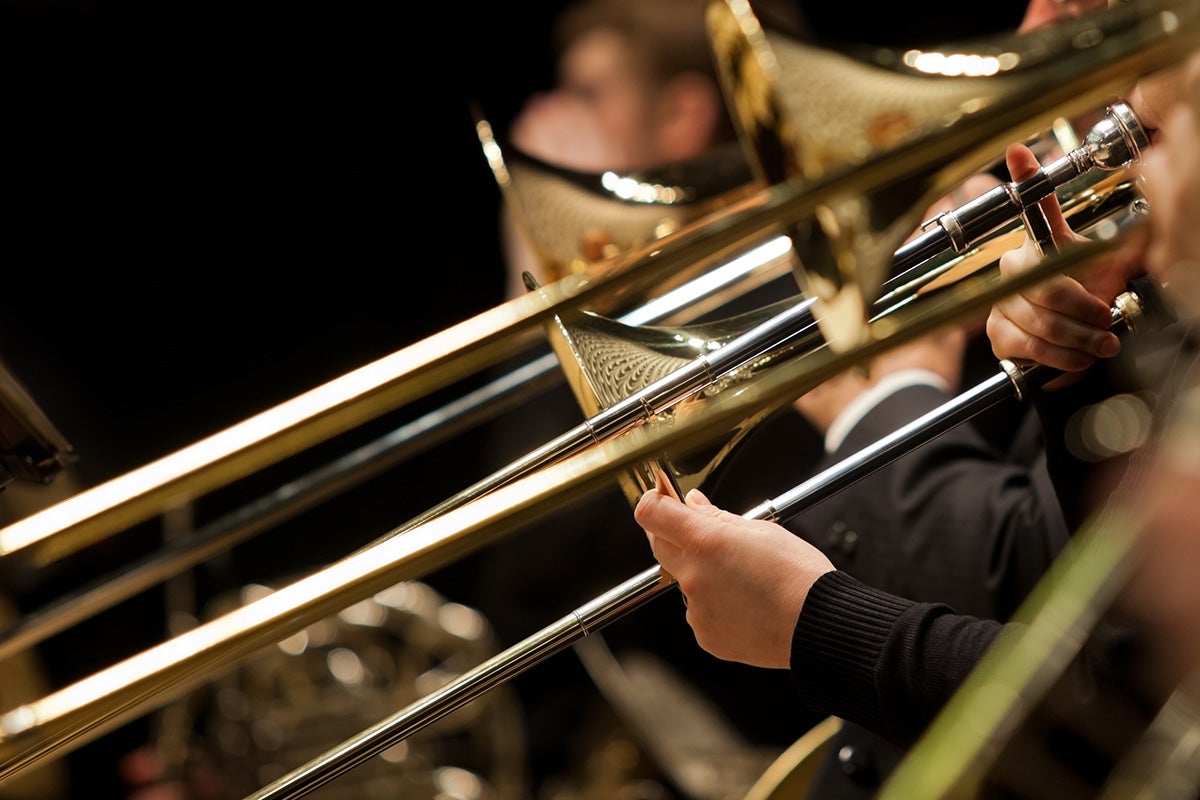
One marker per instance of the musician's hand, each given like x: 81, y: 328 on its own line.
x: 1062, y: 322
x: 940, y: 353
x: 744, y: 581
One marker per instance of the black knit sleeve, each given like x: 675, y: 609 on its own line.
x: 879, y: 660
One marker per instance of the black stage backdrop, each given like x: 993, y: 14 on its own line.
x: 212, y: 207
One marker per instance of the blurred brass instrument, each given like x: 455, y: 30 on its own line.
x: 1131, y: 737
x: 795, y: 766
x: 846, y: 211
x: 330, y: 680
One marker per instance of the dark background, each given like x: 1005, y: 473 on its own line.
x: 209, y: 208
x: 213, y: 206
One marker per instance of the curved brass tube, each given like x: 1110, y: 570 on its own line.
x: 356, y: 467
x: 359, y: 396
x: 714, y: 359
x: 1063, y: 72
x: 809, y: 115
x: 1089, y: 200
x: 572, y: 219
x: 1138, y: 38
x: 78, y: 713
x: 649, y: 584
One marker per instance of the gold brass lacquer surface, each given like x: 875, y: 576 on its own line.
x: 607, y: 361
x: 808, y: 113
x: 573, y: 219
x: 95, y: 705
x: 1071, y: 72
x: 1082, y: 75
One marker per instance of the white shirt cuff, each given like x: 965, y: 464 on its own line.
x: 860, y: 406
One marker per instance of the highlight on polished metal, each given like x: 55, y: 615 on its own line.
x: 611, y: 365
x: 641, y: 588
x: 808, y: 113
x: 572, y: 219
x: 844, y: 207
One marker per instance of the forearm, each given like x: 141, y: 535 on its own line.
x: 881, y: 661
x: 971, y: 527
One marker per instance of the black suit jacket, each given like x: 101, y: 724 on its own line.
x: 964, y: 520
x: 889, y: 660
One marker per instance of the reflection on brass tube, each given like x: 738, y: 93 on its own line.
x: 78, y: 713
x: 649, y: 584
x: 1086, y: 202
x: 1082, y: 73
x: 297, y: 496
x: 343, y: 403
x: 1089, y: 200
x: 1138, y: 38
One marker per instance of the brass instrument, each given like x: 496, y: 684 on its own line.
x: 574, y: 219
x: 1059, y: 71
x: 1091, y: 203
x: 1093, y: 187
x: 806, y: 114
x: 1033, y: 89
x: 156, y: 675
x: 1127, y: 315
x: 1145, y: 731
x: 612, y: 366
x: 282, y: 705
x: 33, y: 457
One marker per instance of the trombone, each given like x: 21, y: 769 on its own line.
x: 1152, y: 36
x: 126, y: 690
x: 1093, y: 61
x: 1091, y: 186
x: 1128, y: 314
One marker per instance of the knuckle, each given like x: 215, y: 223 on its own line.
x: 1034, y: 348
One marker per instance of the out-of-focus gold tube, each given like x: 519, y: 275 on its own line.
x: 82, y: 711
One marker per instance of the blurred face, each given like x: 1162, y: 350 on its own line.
x: 600, y: 116
x: 602, y: 72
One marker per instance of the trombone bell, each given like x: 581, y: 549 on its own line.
x: 607, y: 361
x: 808, y: 114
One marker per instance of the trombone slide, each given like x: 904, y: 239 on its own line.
x: 1127, y: 314
x: 94, y: 705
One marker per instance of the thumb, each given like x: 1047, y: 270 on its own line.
x: 696, y: 499
x: 1023, y: 164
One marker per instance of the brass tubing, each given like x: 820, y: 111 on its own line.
x: 1011, y: 381
x: 793, y: 331
x: 342, y: 404
x: 283, y: 503
x: 1087, y: 200
x: 317, y: 486
x: 1084, y: 205
x: 649, y: 584
x: 496, y: 671
x: 270, y: 436
x: 1155, y: 35
x: 78, y: 713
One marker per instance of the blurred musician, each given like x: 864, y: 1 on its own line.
x: 760, y: 595
x: 594, y: 120
x: 635, y: 87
